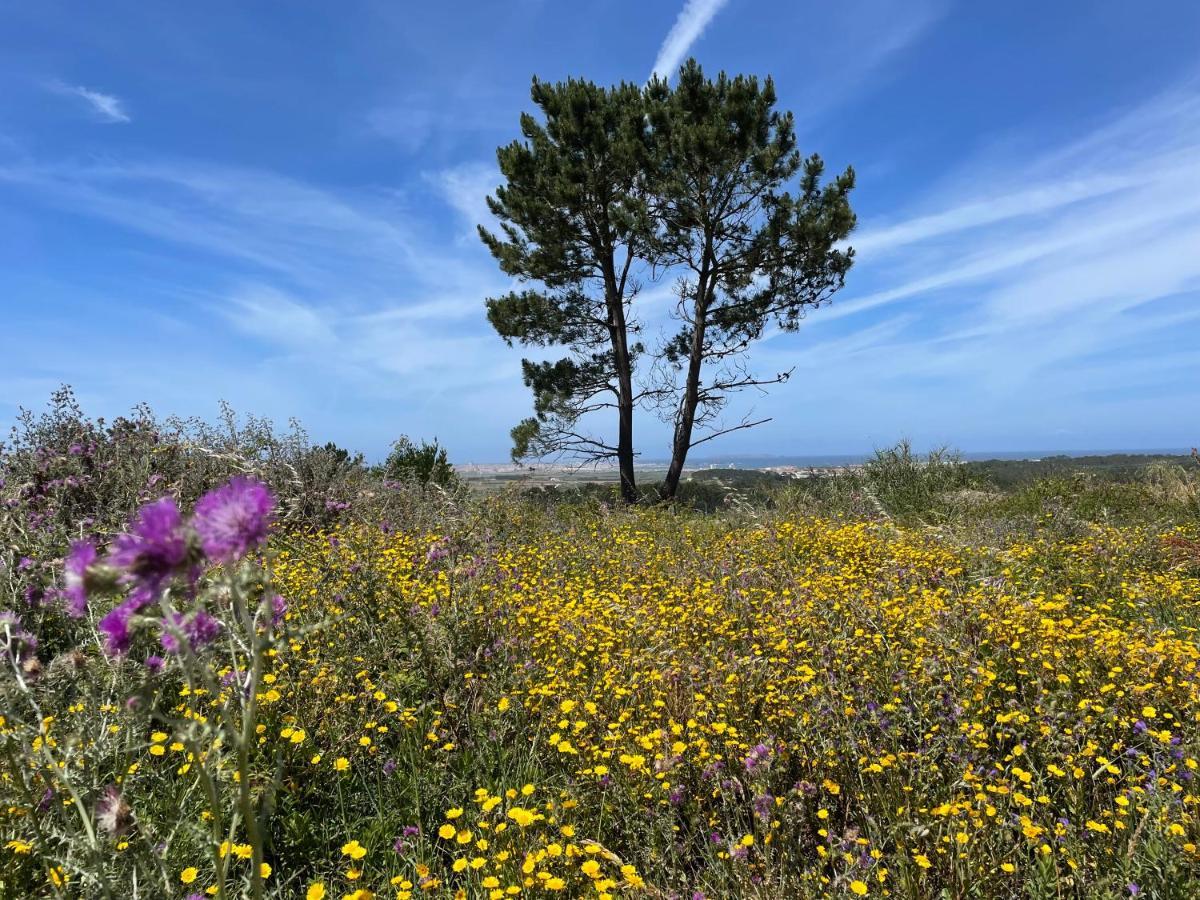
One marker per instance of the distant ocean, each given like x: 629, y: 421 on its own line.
x: 850, y: 459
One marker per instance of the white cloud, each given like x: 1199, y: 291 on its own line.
x: 458, y: 114
x: 689, y: 25
x: 976, y: 213
x: 466, y: 189
x: 291, y: 228
x: 1078, y: 210
x: 1101, y: 232
x: 394, y: 338
x: 266, y: 312
x: 105, y: 107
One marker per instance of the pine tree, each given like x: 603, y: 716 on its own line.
x: 701, y: 183
x: 574, y: 220
x: 747, y: 252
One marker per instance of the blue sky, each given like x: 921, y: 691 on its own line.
x: 274, y: 205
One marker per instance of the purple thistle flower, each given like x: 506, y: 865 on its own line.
x: 155, y: 547
x: 74, y: 593
x: 759, y: 756
x: 763, y: 806
x: 278, y: 609
x: 232, y: 520
x: 404, y: 842
x: 199, y: 631
x: 203, y: 629
x: 115, y: 624
x: 155, y: 663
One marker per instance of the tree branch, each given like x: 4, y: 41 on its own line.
x: 724, y: 431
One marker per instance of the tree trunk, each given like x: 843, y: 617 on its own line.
x: 624, y: 372
x: 686, y: 419
x: 629, y: 492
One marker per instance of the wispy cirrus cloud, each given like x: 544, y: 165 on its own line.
x: 689, y: 25
x: 266, y: 312
x: 260, y: 219
x: 1131, y: 182
x: 1043, y: 198
x: 466, y: 189
x: 103, y: 107
x: 1058, y: 294
x: 269, y: 229
x: 337, y: 297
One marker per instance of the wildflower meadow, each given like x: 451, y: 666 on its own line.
x: 236, y: 665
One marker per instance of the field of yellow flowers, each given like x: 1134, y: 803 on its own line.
x: 629, y: 704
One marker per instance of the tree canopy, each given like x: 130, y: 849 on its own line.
x: 700, y: 183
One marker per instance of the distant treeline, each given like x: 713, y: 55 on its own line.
x: 1011, y: 473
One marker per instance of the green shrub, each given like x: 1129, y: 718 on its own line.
x: 425, y: 465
